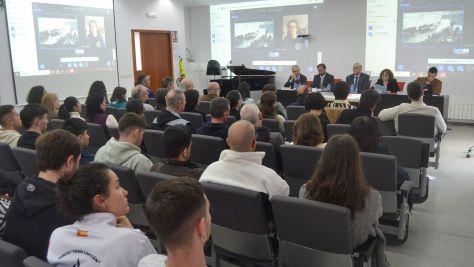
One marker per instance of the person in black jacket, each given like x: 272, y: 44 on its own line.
x: 32, y: 215
x: 323, y: 80
x: 219, y: 113
x: 301, y: 94
x: 296, y: 78
x: 34, y: 118
x: 368, y: 100
x: 175, y: 103
x: 387, y: 80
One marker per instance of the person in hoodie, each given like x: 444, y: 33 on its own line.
x: 10, y: 121
x: 126, y: 151
x: 220, y: 109
x: 33, y: 215
x: 241, y: 166
x: 175, y: 104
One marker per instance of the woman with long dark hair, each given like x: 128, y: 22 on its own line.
x: 98, y: 88
x: 71, y: 108
x: 119, y: 98
x: 269, y: 110
x: 95, y: 111
x: 35, y: 95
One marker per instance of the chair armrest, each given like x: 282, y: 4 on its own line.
x: 406, y: 186
x: 365, y: 250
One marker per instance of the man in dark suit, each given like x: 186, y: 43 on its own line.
x: 296, y: 78
x: 358, y: 81
x: 323, y: 80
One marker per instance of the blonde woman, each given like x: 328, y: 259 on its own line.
x: 51, y: 102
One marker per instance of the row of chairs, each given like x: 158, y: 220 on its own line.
x: 14, y: 256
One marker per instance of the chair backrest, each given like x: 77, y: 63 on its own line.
x: 26, y: 158
x: 150, y: 116
x: 299, y: 163
x: 333, y: 113
x: 206, y: 149
x: 119, y: 113
x: 114, y: 132
x: 204, y: 107
x: 312, y: 233
x: 288, y: 126
x: 272, y: 124
x: 8, y: 162
x: 55, y: 124
x: 129, y: 182
x: 295, y: 111
x: 11, y: 255
x: 194, y: 118
x: 148, y: 180
x: 97, y: 135
x: 270, y: 156
x: 416, y: 125
x: 32, y: 261
x: 334, y: 129
x: 386, y: 128
x: 152, y: 139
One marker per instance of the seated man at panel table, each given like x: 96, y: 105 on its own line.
x: 296, y: 79
x: 213, y: 91
x: 415, y: 93
x: 34, y: 118
x: 323, y: 80
x: 175, y: 104
x: 369, y: 99
x: 430, y: 83
x: 358, y: 81
x: 140, y: 92
x: 301, y: 94
x: 241, y: 166
x: 341, y: 92
x: 10, y: 121
x: 220, y: 109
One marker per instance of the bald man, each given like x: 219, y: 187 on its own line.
x: 358, y: 81
x: 240, y: 166
x: 175, y: 103
x: 213, y: 91
x: 301, y: 94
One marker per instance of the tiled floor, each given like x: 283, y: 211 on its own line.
x: 442, y: 229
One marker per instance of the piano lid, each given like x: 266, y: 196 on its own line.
x: 242, y: 70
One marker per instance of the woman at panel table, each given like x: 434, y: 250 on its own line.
x: 386, y: 80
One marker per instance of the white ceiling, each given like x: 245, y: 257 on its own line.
x: 192, y: 3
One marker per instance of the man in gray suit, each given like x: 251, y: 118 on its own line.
x: 358, y: 81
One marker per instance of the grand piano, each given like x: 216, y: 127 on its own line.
x: 256, y: 78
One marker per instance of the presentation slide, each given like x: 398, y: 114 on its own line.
x: 62, y: 44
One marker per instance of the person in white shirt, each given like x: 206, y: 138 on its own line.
x: 102, y: 234
x: 140, y: 92
x: 415, y: 93
x: 241, y: 166
x: 10, y: 121
x: 178, y: 212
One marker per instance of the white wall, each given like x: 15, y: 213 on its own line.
x: 7, y: 94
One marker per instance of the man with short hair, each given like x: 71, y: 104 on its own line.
x: 33, y: 214
x: 140, y: 92
x: 369, y: 99
x: 323, y: 80
x: 175, y: 104
x: 213, y: 91
x: 167, y: 82
x: 34, y: 118
x: 431, y: 84
x: 186, y: 84
x: 176, y: 143
x: 220, y: 109
x: 241, y: 166
x: 252, y: 114
x: 10, y: 121
x: 415, y: 93
x: 358, y: 81
x: 78, y: 127
x: 178, y: 212
x: 126, y: 151
x: 301, y: 94
x: 296, y: 79
x: 341, y: 92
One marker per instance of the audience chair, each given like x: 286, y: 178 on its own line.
x: 270, y: 159
x: 32, y: 261
x: 386, y: 128
x: 26, y: 158
x: 11, y: 255
x: 55, y: 124
x: 313, y: 233
x: 206, y: 149
x: 299, y: 163
x: 194, y: 118
x: 241, y: 226
x: 288, y: 126
x: 97, y: 136
x: 8, y: 162
x: 295, y: 111
x: 421, y: 126
x: 152, y: 139
x: 204, y: 107
x: 114, y: 132
x: 272, y: 124
x: 119, y: 113
x: 333, y: 113
x: 334, y: 129
x: 151, y: 115
x: 381, y: 173
x: 148, y: 180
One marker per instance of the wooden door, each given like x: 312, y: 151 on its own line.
x: 152, y: 54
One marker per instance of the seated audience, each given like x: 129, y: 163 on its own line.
x: 33, y: 214
x: 252, y: 114
x: 430, y: 83
x: 387, y: 80
x: 176, y: 143
x: 93, y: 196
x: 95, y: 112
x: 301, y: 93
x: 167, y: 82
x: 369, y: 99
x: 213, y: 91
x: 244, y: 90
x: 10, y: 122
x: 178, y: 212
x: 314, y: 103
x: 34, y: 118
x: 51, y: 102
x: 279, y: 106
x: 135, y: 106
x: 219, y: 114
x: 98, y: 88
x: 35, y: 95
x: 241, y: 166
x: 160, y: 98
x: 341, y: 91
x: 145, y: 80
x: 126, y: 151
x: 235, y: 101
x: 140, y: 92
x: 269, y: 110
x: 119, y: 98
x: 186, y: 84
x: 339, y: 179
x: 71, y: 108
x: 192, y: 101
x: 307, y: 131
x: 175, y: 103
x: 78, y: 127
x: 415, y: 93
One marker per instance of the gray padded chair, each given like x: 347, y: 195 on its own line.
x: 194, y: 118
x: 114, y: 132
x: 270, y: 159
x: 423, y: 127
x: 11, y: 255
x: 313, y: 233
x: 148, y: 180
x: 204, y: 107
x: 55, y: 124
x: 386, y: 128
x: 32, y: 261
x: 206, y: 149
x: 272, y: 124
x: 151, y: 115
x: 334, y: 129
x: 299, y: 163
x: 119, y: 113
x: 237, y: 239
x: 97, y: 135
x: 288, y: 126
x: 381, y: 173
x: 295, y: 111
x: 152, y: 139
x: 412, y: 155
x: 8, y: 162
x: 26, y: 158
